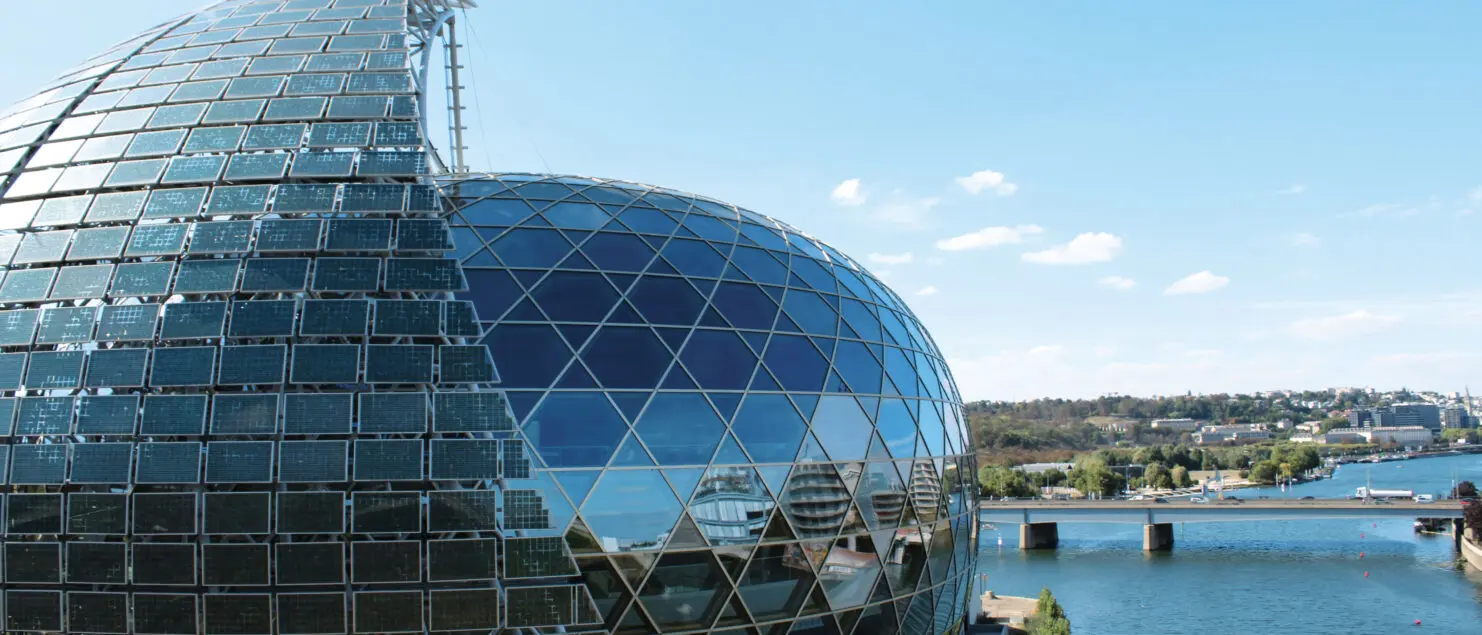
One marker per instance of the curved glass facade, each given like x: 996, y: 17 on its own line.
x: 733, y: 424
x: 262, y: 374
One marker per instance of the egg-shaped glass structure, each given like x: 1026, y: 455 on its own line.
x: 735, y: 424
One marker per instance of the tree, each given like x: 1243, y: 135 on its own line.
x: 1155, y: 474
x: 1471, y: 516
x: 1263, y: 472
x: 1049, y: 618
x: 1452, y: 435
x: 1054, y: 477
x: 998, y: 482
x: 1180, y: 475
x: 1465, y: 489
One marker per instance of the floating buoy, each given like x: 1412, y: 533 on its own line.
x: 1366, y: 574
x: 1361, y: 534
x: 1361, y: 554
x: 1417, y: 622
x: 1376, y: 525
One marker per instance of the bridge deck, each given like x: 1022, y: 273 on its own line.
x: 1150, y: 512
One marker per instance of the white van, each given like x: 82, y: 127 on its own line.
x: 1425, y: 498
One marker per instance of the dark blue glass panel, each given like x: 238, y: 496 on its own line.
x: 263, y: 318
x: 810, y: 312
x: 618, y: 252
x: 710, y: 228
x: 254, y: 364
x: 666, y: 300
x: 528, y: 356
x: 796, y: 363
x: 107, y: 414
x: 648, y: 221
x: 718, y: 360
x: 694, y: 258
x: 183, y: 366
x: 173, y: 415
x: 575, y: 297
x: 745, y: 306
x: 897, y: 427
x: 393, y: 412
x: 759, y: 265
x: 325, y: 363
x: 842, y: 427
x: 532, y: 248
x: 680, y: 429
x: 575, y: 429
x: 317, y: 413
x: 627, y: 357
x: 116, y: 368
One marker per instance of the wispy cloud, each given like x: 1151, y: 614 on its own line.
x: 1202, y: 282
x: 1083, y: 249
x: 977, y: 182
x: 989, y: 237
x: 892, y: 259
x: 1304, y: 239
x: 848, y: 193
x: 905, y: 211
x: 1292, y: 190
x: 1117, y: 282
x: 926, y: 291
x: 1383, y: 210
x: 1360, y: 322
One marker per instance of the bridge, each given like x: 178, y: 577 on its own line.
x: 1038, y: 530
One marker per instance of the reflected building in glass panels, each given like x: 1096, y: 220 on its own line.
x: 267, y: 369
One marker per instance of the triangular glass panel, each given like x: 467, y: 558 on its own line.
x: 621, y: 280
x: 835, y: 384
x: 733, y: 613
x: 631, y: 510
x: 846, y: 332
x: 577, y: 483
x: 630, y: 403
x: 684, y: 480
x: 660, y: 266
x: 631, y: 454
x: 733, y: 558
x: 521, y: 401
x: 879, y: 618
x: 871, y: 405
x: 685, y: 591
x: 815, y: 625
x: 817, y: 602
x: 775, y: 476
x: 806, y: 403
x: 764, y: 380
x: 785, y: 325
x: 576, y: 236
x: 881, y: 592
x: 634, y: 569
x: 825, y: 344
x: 711, y: 318
x: 482, y: 259
x: 657, y: 242
x: 635, y: 623
x: 853, y: 521
x: 725, y: 402
x: 673, y: 337
x: 529, y: 278
x: 525, y: 311
x: 775, y: 292
x: 576, y: 261
x: 757, y: 341
x: 811, y: 451
x: 877, y: 448
x: 778, y: 530
x: 579, y: 537
x: 686, y: 535
x: 576, y: 334
x: 730, y: 453
x: 849, y: 473
x: 732, y: 273
x: 606, y: 585
x: 771, y: 587
x: 625, y: 314
x: 847, y: 620
x: 881, y: 497
x: 576, y: 377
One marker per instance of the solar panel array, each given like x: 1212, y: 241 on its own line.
x: 238, y: 397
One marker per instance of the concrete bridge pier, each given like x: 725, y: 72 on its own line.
x: 1039, y: 536
x: 1157, y: 537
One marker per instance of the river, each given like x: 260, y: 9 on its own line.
x: 1259, y: 577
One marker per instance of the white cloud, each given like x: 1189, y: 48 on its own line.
x: 1104, y: 351
x: 981, y: 180
x: 848, y: 193
x: 1047, y: 350
x: 892, y: 259
x: 1360, y: 322
x: 989, y: 237
x: 905, y: 211
x: 927, y: 290
x: 1202, y: 282
x: 1117, y: 282
x: 1293, y: 189
x: 1304, y: 239
x: 1083, y: 249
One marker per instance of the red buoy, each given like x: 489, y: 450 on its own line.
x: 1361, y: 554
x: 1417, y: 622
x: 1366, y: 574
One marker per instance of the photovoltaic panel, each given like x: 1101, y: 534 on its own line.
x: 193, y: 320
x: 398, y: 364
x: 462, y: 510
x: 60, y: 212
x: 317, y: 413
x: 252, y: 364
x: 116, y: 368
x: 246, y: 413
x: 33, y: 562
x: 97, y: 562
x: 235, y: 200
x: 89, y: 612
x: 393, y: 412
x: 19, y: 327
x: 33, y: 611
x: 386, y: 561
x: 101, y: 463
x: 471, y: 412
x: 329, y: 61
x: 275, y: 275
x: 66, y: 325
x: 183, y: 366
x: 12, y: 366
x: 207, y: 276
x: 234, y: 564
x: 388, y: 460
x: 126, y: 173
x: 312, y: 461
x: 465, y: 365
x: 311, y: 613
x: 392, y: 163
x: 311, y: 513
x: 142, y: 279
x: 33, y: 514
x: 239, y: 462
x: 168, y: 564
x: 237, y: 513
x: 322, y: 164
x: 254, y: 167
x: 334, y: 317
x: 386, y: 512
x: 388, y: 612
x: 294, y: 108
x: 126, y: 322
x: 155, y: 143
x: 97, y: 513
x: 107, y: 414
x: 236, y: 111
x: 374, y: 197
x: 116, y: 206
x: 157, y: 240
x: 54, y: 369
x: 43, y: 247
x: 398, y: 134
x: 339, y: 135
x: 408, y: 317
x: 356, y: 108
x: 164, y: 513
x: 347, y: 275
x: 305, y: 198
x: 167, y: 462
x: 221, y: 237
x: 29, y: 285
x: 385, y: 61
x: 311, y: 563
x: 462, y: 560
x: 34, y: 464
x: 172, y: 415
x: 224, y: 139
x: 44, y: 415
x: 514, y: 463
x: 325, y: 364
x: 358, y: 234
x: 423, y: 234
x: 314, y: 84
x: 537, y: 606
x: 289, y: 235
x: 460, y: 319
x: 424, y: 274
x: 83, y: 282
x: 98, y: 243
x: 271, y: 65
x: 262, y: 318
x: 175, y: 203
x: 165, y: 613
x: 274, y: 136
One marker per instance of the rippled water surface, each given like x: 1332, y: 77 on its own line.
x: 1288, y: 577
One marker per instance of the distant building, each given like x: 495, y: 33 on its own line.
x: 1455, y: 417
x: 1397, y: 435
x: 1383, y: 418
x: 1360, y: 418
x: 1425, y: 415
x: 1236, y: 433
x: 1339, y: 437
x: 1119, y: 425
x: 1036, y: 468
x: 1174, y: 424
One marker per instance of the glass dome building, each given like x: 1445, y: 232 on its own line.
x: 267, y: 369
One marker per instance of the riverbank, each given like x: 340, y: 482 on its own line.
x: 1472, y: 552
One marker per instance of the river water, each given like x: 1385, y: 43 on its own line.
x: 1288, y: 577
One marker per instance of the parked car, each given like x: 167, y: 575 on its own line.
x: 1139, y: 497
x: 1160, y: 500
x: 1309, y: 498
x: 1198, y: 499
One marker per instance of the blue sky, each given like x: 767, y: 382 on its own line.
x: 1053, y: 169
